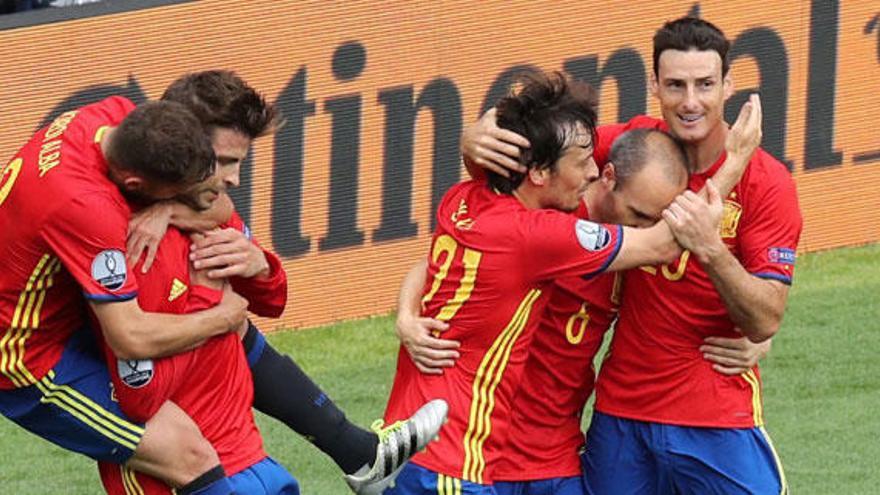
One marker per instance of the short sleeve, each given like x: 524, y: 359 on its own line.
x: 88, y: 235
x: 770, y: 229
x: 558, y: 245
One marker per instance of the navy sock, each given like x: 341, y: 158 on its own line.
x: 283, y: 391
x: 212, y: 482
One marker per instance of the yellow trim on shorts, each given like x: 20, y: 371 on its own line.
x: 777, y: 460
x: 81, y: 407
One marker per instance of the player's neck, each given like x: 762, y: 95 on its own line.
x: 704, y: 153
x: 527, y: 196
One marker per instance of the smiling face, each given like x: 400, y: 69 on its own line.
x: 692, y: 92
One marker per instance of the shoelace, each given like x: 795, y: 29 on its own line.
x: 385, y: 432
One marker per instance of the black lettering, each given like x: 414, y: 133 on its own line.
x: 442, y: 98
x: 241, y: 195
x: 93, y: 94
x: 626, y: 67
x: 501, y: 85
x: 768, y: 50
x: 287, y: 174
x: 349, y: 61
x: 824, y: 24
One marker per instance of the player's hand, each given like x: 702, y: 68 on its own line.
x: 733, y: 356
x: 228, y: 253
x: 420, y: 337
x: 233, y: 308
x: 145, y: 231
x: 200, y: 277
x: 745, y: 135
x: 492, y: 148
x: 695, y: 222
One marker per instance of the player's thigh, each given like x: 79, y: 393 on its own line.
x: 618, y: 458
x: 573, y: 485
x: 265, y: 477
x: 724, y: 461
x: 121, y: 480
x: 73, y: 406
x: 416, y: 480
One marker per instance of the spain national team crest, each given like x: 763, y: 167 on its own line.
x: 109, y: 270
x: 730, y: 220
x: 135, y: 373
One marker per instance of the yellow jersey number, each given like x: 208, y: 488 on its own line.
x: 7, y: 178
x: 446, y: 245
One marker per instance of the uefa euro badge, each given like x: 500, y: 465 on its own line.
x: 591, y: 235
x: 135, y: 373
x: 109, y: 270
x: 730, y: 220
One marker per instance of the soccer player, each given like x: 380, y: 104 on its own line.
x: 63, y: 222
x: 646, y: 170
x: 193, y: 379
x: 234, y: 115
x: 654, y: 384
x: 498, y: 246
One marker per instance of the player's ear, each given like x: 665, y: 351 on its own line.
x: 654, y: 85
x: 538, y: 176
x: 728, y: 86
x: 609, y: 176
x: 133, y: 183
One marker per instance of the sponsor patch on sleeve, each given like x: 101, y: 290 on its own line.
x: 592, y: 236
x: 135, y: 373
x: 785, y: 256
x: 109, y: 270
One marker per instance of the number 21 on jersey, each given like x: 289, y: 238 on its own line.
x: 445, y: 248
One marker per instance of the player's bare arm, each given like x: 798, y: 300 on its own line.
x: 734, y: 356
x: 418, y: 334
x: 147, y: 227
x: 485, y: 146
x: 135, y: 334
x: 755, y: 305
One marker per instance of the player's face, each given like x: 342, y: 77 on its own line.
x: 231, y: 148
x: 640, y: 201
x: 692, y: 93
x: 202, y: 195
x: 575, y: 169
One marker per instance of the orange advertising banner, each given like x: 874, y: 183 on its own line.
x: 376, y: 93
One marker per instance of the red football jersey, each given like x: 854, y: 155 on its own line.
x: 268, y: 296
x: 216, y: 373
x: 63, y: 227
x: 491, y: 259
x: 545, y: 438
x: 655, y: 371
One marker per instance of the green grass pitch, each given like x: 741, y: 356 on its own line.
x: 821, y: 390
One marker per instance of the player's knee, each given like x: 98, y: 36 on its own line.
x: 193, y: 456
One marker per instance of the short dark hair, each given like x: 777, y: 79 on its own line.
x: 633, y: 150
x: 546, y: 109
x: 219, y: 98
x: 163, y: 141
x: 691, y: 33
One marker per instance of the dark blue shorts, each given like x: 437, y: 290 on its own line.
x: 266, y: 477
x: 635, y: 457
x: 73, y: 407
x: 416, y: 480
x: 553, y: 486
